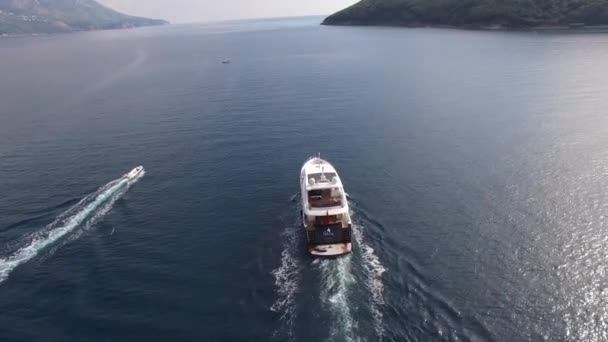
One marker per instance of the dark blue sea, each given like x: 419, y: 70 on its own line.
x: 476, y: 164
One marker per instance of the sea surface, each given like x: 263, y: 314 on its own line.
x: 476, y: 164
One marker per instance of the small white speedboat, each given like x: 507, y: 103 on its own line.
x: 226, y: 61
x: 135, y: 172
x: 325, y: 212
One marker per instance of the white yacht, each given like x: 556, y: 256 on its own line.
x: 325, y: 212
x: 133, y: 173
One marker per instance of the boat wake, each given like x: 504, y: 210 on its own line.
x: 373, y: 270
x: 287, y: 280
x: 337, y: 280
x: 70, y: 224
x: 343, y: 282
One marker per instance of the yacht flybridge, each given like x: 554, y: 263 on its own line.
x: 325, y: 211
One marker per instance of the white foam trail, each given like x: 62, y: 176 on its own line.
x: 87, y: 211
x: 287, y: 280
x: 373, y: 269
x: 104, y: 208
x: 336, y: 281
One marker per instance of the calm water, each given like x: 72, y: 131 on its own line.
x: 476, y: 163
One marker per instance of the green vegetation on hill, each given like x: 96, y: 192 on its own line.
x: 473, y: 13
x: 53, y: 16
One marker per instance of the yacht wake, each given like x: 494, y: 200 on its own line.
x: 338, y: 285
x: 80, y: 217
x: 341, y: 281
x: 287, y: 280
x: 336, y: 282
x: 373, y: 270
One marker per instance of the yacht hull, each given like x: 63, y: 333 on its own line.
x: 325, y: 212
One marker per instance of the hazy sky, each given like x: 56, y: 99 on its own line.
x: 181, y: 11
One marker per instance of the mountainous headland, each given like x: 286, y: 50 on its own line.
x: 18, y: 17
x: 488, y: 14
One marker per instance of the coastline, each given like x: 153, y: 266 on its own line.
x: 37, y: 34
x: 501, y: 28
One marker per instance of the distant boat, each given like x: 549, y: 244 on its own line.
x: 325, y: 212
x: 134, y: 173
x: 226, y: 61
